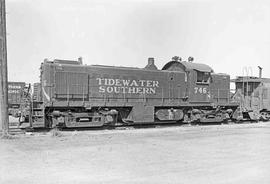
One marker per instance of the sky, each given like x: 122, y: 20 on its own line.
x: 227, y: 35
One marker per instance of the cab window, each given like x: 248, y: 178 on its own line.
x: 203, y: 77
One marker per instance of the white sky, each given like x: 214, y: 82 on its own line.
x: 227, y: 35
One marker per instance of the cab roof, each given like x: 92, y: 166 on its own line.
x: 184, y: 65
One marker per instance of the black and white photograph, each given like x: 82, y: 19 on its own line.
x: 135, y: 91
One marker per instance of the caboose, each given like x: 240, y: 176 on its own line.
x: 253, y: 95
x: 77, y: 95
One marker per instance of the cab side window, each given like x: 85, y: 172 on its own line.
x: 203, y: 77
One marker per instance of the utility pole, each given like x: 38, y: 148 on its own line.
x: 3, y: 71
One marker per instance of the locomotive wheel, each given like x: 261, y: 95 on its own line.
x: 264, y: 116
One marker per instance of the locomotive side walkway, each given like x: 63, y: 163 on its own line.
x: 214, y: 154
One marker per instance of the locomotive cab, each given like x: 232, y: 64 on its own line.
x: 198, y: 79
x: 207, y: 93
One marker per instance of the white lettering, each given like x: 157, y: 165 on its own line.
x: 116, y: 89
x: 200, y: 90
x: 152, y: 90
x: 13, y: 91
x: 155, y: 84
x: 102, y: 89
x: 109, y: 89
x: 124, y: 89
x: 111, y: 82
x: 126, y: 82
x: 99, y: 81
x: 139, y: 90
x: 117, y: 82
x: 148, y: 83
x: 142, y: 82
x: 14, y: 87
x: 131, y: 90
x: 133, y: 83
x: 146, y: 90
x: 107, y: 85
x: 106, y: 82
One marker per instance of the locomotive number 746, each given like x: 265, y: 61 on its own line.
x: 200, y: 90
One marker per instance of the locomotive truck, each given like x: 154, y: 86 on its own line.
x: 77, y: 95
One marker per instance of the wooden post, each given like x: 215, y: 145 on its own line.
x: 3, y: 72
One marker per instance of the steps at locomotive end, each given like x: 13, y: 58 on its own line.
x: 14, y: 129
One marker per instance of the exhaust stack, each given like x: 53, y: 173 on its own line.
x: 151, y: 64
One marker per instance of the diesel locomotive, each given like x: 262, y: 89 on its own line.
x: 78, y: 95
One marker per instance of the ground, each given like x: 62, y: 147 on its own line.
x: 213, y: 154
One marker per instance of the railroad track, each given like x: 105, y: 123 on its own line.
x: 15, y: 130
